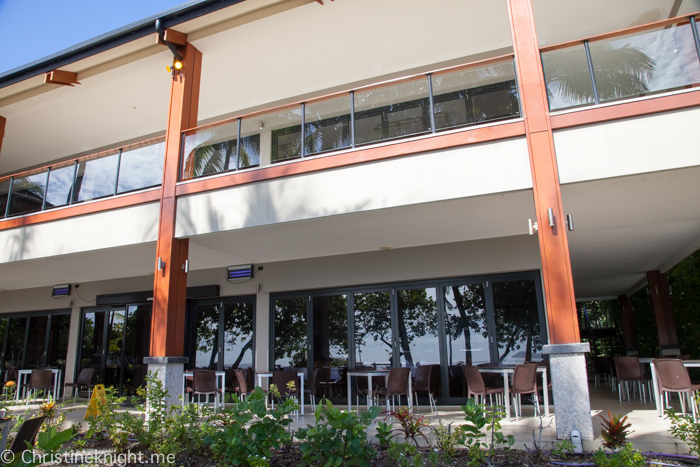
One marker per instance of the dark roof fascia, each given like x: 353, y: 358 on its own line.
x: 131, y: 32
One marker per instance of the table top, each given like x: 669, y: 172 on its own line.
x: 24, y: 372
x: 268, y: 374
x: 218, y: 373
x: 685, y: 362
x: 371, y: 373
x: 506, y: 369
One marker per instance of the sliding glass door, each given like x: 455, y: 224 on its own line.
x: 489, y: 320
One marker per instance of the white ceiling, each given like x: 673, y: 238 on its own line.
x: 627, y: 226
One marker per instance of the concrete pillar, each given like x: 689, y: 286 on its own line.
x: 169, y: 370
x: 262, y: 334
x: 572, y: 404
x: 73, y: 339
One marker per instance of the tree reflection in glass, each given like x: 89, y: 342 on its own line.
x: 290, y: 333
x: 207, y: 336
x: 238, y: 334
x: 418, y: 327
x: 517, y: 322
x: 373, y: 344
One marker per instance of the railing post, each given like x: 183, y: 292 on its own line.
x: 352, y: 118
x: 9, y: 197
x: 432, y: 103
x: 590, y: 70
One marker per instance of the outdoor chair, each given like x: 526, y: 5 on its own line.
x: 613, y: 373
x: 339, y: 387
x: 601, y: 367
x: 491, y: 380
x: 240, y: 386
x: 628, y: 371
x: 84, y: 381
x: 673, y: 377
x: 361, y: 385
x: 26, y: 434
x: 425, y: 381
x: 524, y: 382
x: 204, y: 384
x: 282, y: 379
x: 477, y: 388
x: 458, y: 384
x: 397, y: 385
x: 320, y: 378
x: 41, y: 380
x: 250, y: 379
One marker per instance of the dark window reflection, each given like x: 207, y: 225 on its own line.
x: 58, y: 341
x: 92, y: 342
x: 286, y: 143
x: 373, y: 336
x: 568, y: 78
x: 14, y: 352
x: 137, y: 346
x: 327, y: 125
x: 4, y: 190
x: 290, y: 334
x: 330, y: 332
x: 28, y: 194
x: 517, y: 322
x: 36, y: 341
x: 141, y: 168
x: 238, y: 334
x: 115, y: 347
x: 250, y: 152
x: 207, y: 339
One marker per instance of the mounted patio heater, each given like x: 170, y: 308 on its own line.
x: 236, y: 273
x: 61, y: 290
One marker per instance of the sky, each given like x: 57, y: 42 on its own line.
x: 34, y: 29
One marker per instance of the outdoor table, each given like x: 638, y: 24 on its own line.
x: 369, y: 375
x: 505, y: 371
x: 23, y: 378
x: 300, y: 374
x: 220, y: 377
x: 5, y: 425
x: 655, y: 381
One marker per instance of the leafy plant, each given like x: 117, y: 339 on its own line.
x: 626, y: 456
x: 685, y: 429
x: 55, y: 414
x: 106, y: 419
x: 447, y: 440
x: 338, y: 438
x: 237, y: 443
x: 384, y: 434
x: 49, y: 443
x: 405, y: 455
x: 474, y: 435
x: 409, y: 425
x: 563, y: 449
x: 614, y: 431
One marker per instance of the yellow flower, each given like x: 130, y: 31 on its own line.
x: 10, y: 384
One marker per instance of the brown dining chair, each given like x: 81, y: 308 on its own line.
x: 629, y: 371
x: 240, y: 385
x: 282, y: 379
x: 26, y: 434
x: 361, y: 385
x: 204, y: 384
x: 84, y: 381
x: 477, y: 388
x: 525, y: 382
x: 41, y: 380
x: 320, y: 379
x: 673, y: 377
x: 424, y: 383
x: 396, y: 386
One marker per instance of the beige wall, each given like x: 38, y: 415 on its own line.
x: 631, y: 146
x: 422, y: 178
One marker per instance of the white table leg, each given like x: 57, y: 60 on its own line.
x: 302, y: 394
x: 369, y: 391
x: 506, y: 394
x: 349, y: 394
x: 657, y: 396
x: 545, y: 390
x: 410, y: 393
x: 184, y: 381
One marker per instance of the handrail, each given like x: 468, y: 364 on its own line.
x: 295, y: 104
x: 89, y: 157
x: 621, y: 32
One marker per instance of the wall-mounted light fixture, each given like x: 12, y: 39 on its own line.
x: 570, y: 222
x: 550, y: 216
x: 171, y: 39
x: 262, y: 124
x: 160, y: 264
x: 532, y: 226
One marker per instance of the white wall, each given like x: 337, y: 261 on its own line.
x: 421, y: 178
x: 631, y: 146
x: 127, y: 226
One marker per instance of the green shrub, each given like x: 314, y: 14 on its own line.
x: 235, y: 444
x: 474, y: 435
x: 410, y: 426
x: 405, y: 455
x: 626, y: 456
x: 685, y: 429
x: 338, y: 438
x: 384, y: 434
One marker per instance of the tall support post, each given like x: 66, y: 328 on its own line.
x: 170, y: 282
x: 663, y: 314
x: 566, y: 353
x: 3, y: 121
x: 629, y: 333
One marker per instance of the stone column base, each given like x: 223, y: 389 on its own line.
x: 169, y: 370
x: 572, y: 403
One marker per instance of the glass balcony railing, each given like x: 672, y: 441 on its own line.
x: 600, y: 70
x: 109, y: 173
x: 453, y: 98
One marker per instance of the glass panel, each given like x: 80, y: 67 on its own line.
x: 517, y: 322
x: 115, y: 348
x: 392, y: 111
x: 568, y: 78
x: 211, y: 150
x: 644, y: 63
x: 60, y: 185
x: 290, y: 334
x: 96, y: 178
x: 15, y: 342
x: 250, y: 144
x: 238, y: 335
x: 466, y: 332
x: 207, y: 338
x: 330, y: 336
x: 327, y: 125
x: 58, y: 341
x: 138, y: 345
x: 141, y: 167
x: 4, y: 190
x: 36, y: 341
x: 475, y: 95
x: 283, y: 132
x: 373, y: 330
x: 28, y: 194
x: 92, y: 347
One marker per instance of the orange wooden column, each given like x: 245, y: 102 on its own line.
x: 554, y: 247
x: 170, y: 284
x: 3, y: 121
x: 663, y: 314
x: 629, y: 332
